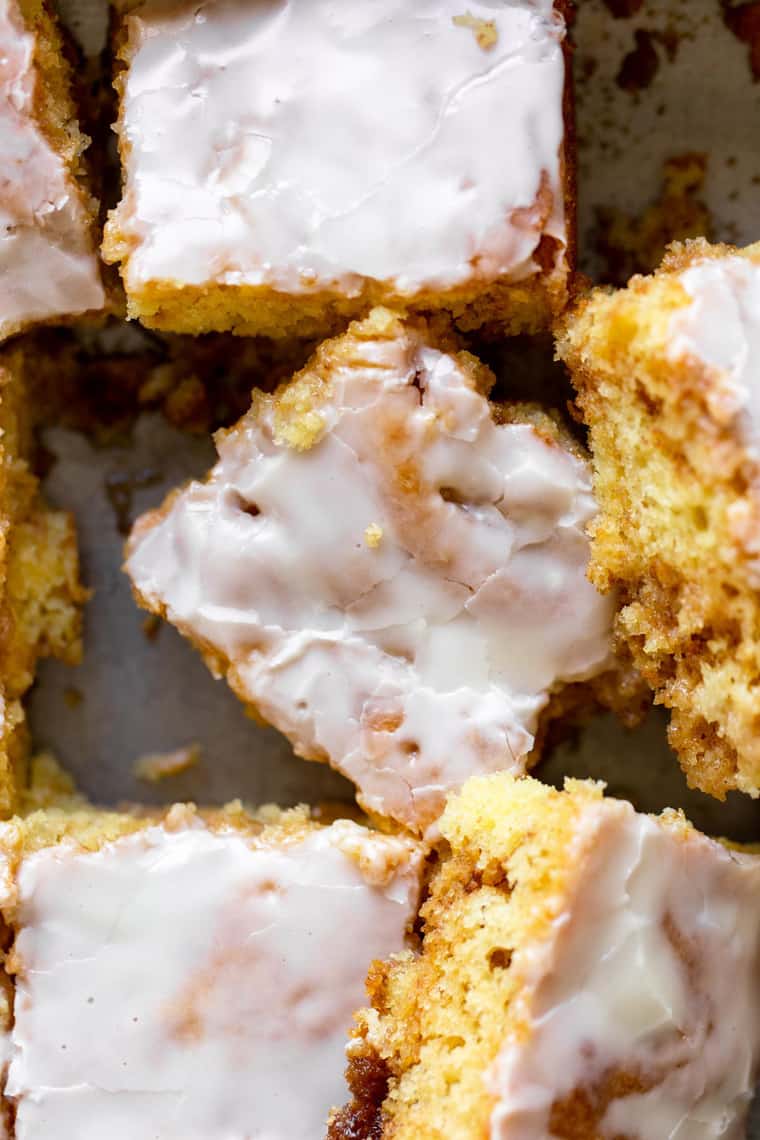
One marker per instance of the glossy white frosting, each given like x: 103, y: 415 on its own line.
x: 653, y: 970
x: 193, y: 985
x: 48, y: 266
x: 412, y: 588
x: 720, y: 328
x: 305, y: 144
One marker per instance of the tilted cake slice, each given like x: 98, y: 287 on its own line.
x: 287, y: 166
x: 389, y: 569
x: 189, y: 974
x: 49, y: 266
x: 668, y: 379
x: 40, y: 592
x: 585, y: 973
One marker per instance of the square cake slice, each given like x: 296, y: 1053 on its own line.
x: 49, y: 266
x: 668, y: 379
x: 389, y: 569
x: 190, y: 975
x: 585, y: 973
x: 40, y: 592
x: 287, y: 166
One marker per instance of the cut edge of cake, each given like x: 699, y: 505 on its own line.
x: 679, y: 512
x: 41, y: 596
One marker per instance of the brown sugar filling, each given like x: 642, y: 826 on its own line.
x: 579, y: 1115
x: 368, y: 1076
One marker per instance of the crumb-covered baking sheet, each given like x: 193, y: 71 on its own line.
x: 669, y: 146
x: 669, y: 118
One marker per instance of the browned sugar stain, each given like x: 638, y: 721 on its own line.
x: 623, y: 9
x: 744, y: 21
x: 640, y: 65
x: 151, y: 627
x: 73, y: 696
x: 120, y: 487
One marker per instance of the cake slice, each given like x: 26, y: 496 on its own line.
x: 49, y: 266
x: 585, y: 973
x: 668, y: 379
x: 189, y: 974
x: 40, y: 592
x: 389, y: 569
x: 287, y: 166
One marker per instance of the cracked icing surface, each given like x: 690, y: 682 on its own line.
x: 426, y: 653
x: 305, y: 145
x: 47, y: 263
x: 195, y: 984
x: 648, y: 996
x: 720, y: 328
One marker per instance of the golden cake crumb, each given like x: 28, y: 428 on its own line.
x: 157, y: 766
x: 485, y: 31
x: 373, y: 535
x: 637, y: 243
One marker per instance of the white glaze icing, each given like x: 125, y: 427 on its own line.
x: 412, y: 662
x: 653, y: 969
x: 305, y: 144
x: 191, y: 985
x: 720, y: 328
x: 48, y: 266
